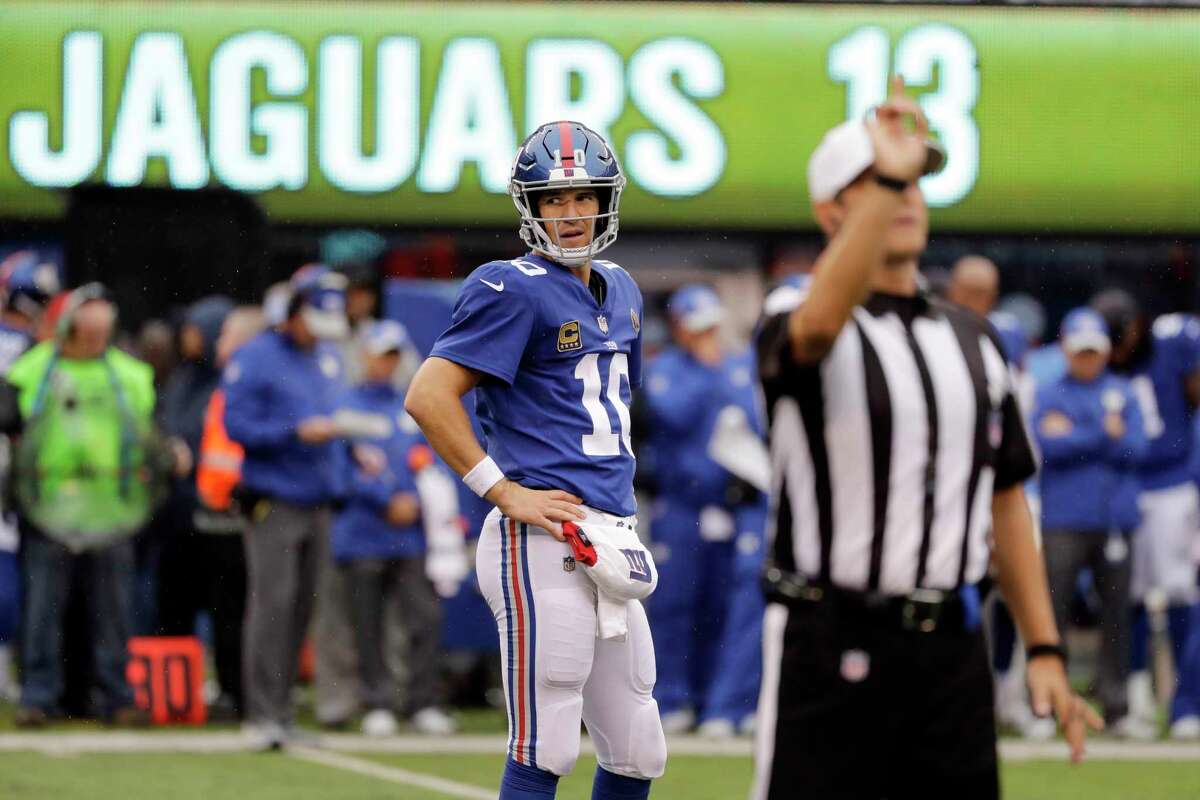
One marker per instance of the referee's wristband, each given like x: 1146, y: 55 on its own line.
x: 483, y: 476
x: 1038, y: 650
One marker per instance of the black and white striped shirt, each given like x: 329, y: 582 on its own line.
x: 885, y: 453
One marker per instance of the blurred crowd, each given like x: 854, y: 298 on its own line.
x: 248, y: 475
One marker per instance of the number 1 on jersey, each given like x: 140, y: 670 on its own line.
x: 602, y: 441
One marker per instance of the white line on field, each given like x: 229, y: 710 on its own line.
x: 390, y: 774
x: 68, y: 743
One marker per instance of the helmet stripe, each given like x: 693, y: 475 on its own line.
x: 566, y: 144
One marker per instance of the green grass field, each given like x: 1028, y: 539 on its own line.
x: 31, y: 776
x: 73, y: 773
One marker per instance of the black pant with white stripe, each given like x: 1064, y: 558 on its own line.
x: 854, y: 707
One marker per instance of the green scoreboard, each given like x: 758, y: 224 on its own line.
x: 1072, y: 120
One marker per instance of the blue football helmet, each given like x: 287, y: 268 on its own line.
x: 562, y: 155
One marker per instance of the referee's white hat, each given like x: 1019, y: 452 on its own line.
x: 845, y: 152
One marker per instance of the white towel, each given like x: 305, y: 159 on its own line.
x: 623, y: 574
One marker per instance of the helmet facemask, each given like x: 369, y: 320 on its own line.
x: 535, y: 228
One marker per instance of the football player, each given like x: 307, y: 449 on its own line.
x: 552, y: 344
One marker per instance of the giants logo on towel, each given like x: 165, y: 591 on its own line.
x: 639, y: 567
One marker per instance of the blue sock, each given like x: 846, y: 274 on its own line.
x: 1178, y: 623
x: 610, y: 786
x: 527, y: 783
x: 1139, y: 634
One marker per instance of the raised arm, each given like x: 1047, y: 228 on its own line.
x: 843, y: 274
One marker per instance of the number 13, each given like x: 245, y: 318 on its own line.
x: 602, y: 441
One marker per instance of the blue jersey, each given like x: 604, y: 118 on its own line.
x: 560, y: 370
x: 1158, y: 383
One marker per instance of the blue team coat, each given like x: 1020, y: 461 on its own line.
x: 361, y: 529
x: 271, y: 385
x: 684, y: 397
x: 1088, y: 480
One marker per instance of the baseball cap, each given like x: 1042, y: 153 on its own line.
x: 322, y: 295
x: 385, y: 336
x: 1084, y: 329
x: 845, y: 152
x: 696, y: 307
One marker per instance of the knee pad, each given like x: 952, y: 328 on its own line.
x: 566, y: 642
x: 558, y: 734
x: 648, y: 744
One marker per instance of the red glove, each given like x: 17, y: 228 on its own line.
x: 581, y: 548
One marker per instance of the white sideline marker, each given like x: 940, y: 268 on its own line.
x: 390, y: 774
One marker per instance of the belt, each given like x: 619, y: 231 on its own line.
x: 920, y: 611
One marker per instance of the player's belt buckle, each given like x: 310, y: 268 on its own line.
x: 921, y: 610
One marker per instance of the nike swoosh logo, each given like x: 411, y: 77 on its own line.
x: 499, y: 287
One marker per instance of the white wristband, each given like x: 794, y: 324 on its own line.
x: 483, y: 476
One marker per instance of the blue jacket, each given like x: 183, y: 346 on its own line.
x: 1087, y: 479
x: 683, y: 398
x: 361, y: 529
x: 271, y: 385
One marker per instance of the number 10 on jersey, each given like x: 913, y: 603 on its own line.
x: 602, y: 441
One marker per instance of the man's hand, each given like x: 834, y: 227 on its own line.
x: 1050, y: 692
x: 1114, y: 425
x: 900, y: 153
x: 403, y: 509
x: 317, y: 430
x: 181, y: 456
x: 370, y: 459
x: 545, y: 508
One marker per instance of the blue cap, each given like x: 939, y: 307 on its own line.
x: 1013, y: 337
x: 322, y: 294
x: 696, y: 307
x: 385, y: 336
x: 1084, y: 329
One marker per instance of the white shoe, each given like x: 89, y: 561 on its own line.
x: 380, y: 722
x: 1012, y: 706
x: 1186, y: 728
x: 748, y: 725
x: 1039, y: 729
x: 717, y: 729
x: 434, y: 722
x: 1142, y: 702
x: 263, y: 735
x: 680, y: 721
x: 1133, y: 728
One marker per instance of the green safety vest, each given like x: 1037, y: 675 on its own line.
x: 89, y: 466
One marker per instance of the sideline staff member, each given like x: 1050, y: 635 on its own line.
x: 893, y: 431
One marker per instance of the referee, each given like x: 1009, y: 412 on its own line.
x: 896, y: 446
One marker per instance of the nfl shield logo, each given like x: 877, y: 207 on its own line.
x: 602, y: 321
x: 568, y: 564
x: 856, y: 665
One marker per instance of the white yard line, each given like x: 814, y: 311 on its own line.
x: 53, y: 743
x: 391, y: 774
